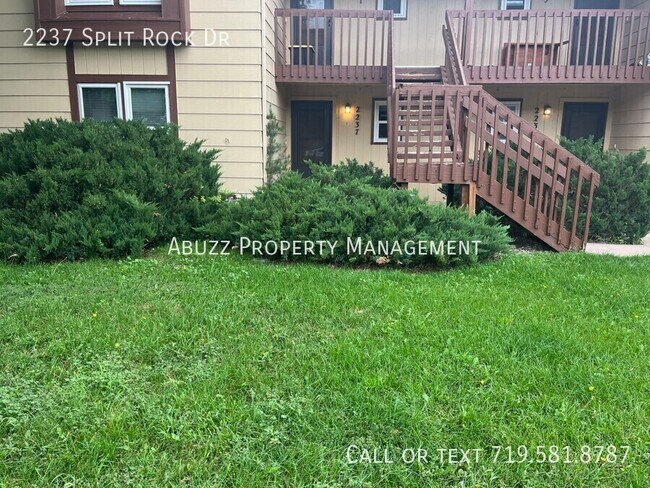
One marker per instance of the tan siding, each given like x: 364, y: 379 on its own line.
x: 534, y: 4
x: 33, y: 80
x: 636, y: 4
x: 631, y: 119
x: 555, y: 96
x: 418, y: 39
x: 133, y: 60
x: 220, y: 88
x: 275, y: 96
x: 345, y: 144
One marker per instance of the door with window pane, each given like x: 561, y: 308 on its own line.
x: 592, y: 40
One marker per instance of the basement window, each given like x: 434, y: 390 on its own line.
x: 397, y: 6
x: 380, y: 122
x: 515, y: 4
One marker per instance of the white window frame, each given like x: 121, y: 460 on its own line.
x: 376, y: 123
x: 118, y: 96
x: 504, y: 5
x: 140, y: 2
x: 78, y: 3
x: 403, y: 8
x: 147, y: 84
x: 513, y: 105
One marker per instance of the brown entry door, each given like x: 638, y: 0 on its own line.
x: 311, y: 134
x: 584, y: 119
x: 312, y: 37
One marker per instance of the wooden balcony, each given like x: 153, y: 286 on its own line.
x: 333, y: 46
x: 554, y: 46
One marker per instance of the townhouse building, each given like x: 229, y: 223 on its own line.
x: 471, y: 93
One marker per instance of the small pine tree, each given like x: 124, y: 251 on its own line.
x: 621, y: 206
x: 277, y: 161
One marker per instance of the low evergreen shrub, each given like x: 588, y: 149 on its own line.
x: 73, y: 190
x: 327, y: 207
x: 351, y: 169
x: 621, y: 206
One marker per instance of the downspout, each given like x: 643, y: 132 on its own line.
x: 264, y: 96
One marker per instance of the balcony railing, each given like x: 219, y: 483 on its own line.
x: 335, y: 46
x: 561, y: 46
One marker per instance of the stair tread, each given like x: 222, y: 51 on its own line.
x: 418, y: 74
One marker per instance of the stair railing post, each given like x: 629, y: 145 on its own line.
x: 392, y: 100
x: 467, y: 38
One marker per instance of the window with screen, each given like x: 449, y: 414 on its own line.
x: 515, y: 4
x: 142, y: 101
x: 100, y: 102
x: 380, y: 122
x: 147, y: 102
x: 397, y: 6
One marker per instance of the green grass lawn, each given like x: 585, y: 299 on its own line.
x: 228, y: 372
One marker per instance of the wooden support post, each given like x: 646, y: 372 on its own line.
x: 468, y: 198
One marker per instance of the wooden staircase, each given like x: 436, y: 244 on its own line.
x: 446, y: 131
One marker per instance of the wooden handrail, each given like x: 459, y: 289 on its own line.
x: 516, y: 168
x: 390, y: 89
x: 562, y: 46
x: 453, y: 60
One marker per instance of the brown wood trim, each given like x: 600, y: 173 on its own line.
x: 171, y: 17
x: 74, y: 79
x: 171, y: 76
x: 72, y: 82
x: 122, y: 9
x: 119, y: 78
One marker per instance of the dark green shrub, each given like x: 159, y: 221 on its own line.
x: 71, y: 190
x: 348, y: 170
x: 621, y: 206
x: 325, y: 209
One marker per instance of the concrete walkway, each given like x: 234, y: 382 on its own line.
x: 621, y: 249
